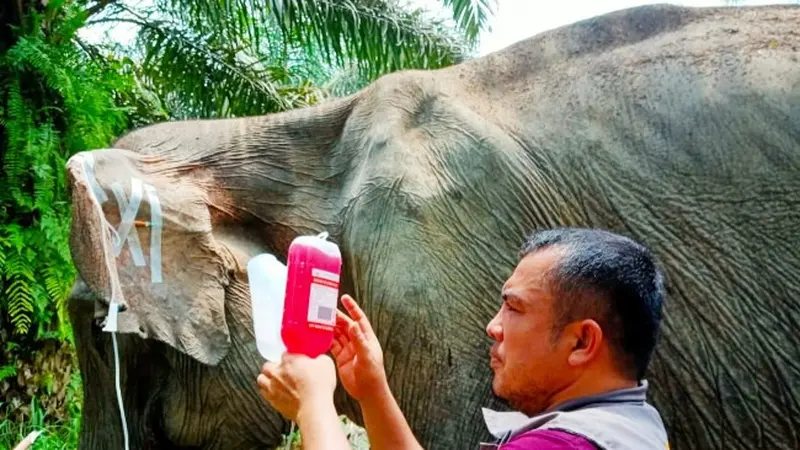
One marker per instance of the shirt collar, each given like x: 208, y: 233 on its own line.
x: 500, y: 423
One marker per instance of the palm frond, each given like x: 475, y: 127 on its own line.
x: 344, y: 81
x: 235, y: 21
x: 378, y: 35
x: 472, y: 16
x: 204, y: 75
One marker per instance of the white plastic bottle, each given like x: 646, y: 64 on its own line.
x: 267, y: 280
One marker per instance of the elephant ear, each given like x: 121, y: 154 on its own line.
x: 141, y: 236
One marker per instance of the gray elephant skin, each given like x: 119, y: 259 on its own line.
x: 678, y: 127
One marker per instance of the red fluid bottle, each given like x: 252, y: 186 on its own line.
x: 312, y: 291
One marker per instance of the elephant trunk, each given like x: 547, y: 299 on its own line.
x: 102, y: 424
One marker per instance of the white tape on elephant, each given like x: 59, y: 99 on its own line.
x: 127, y: 231
x: 155, y: 234
x: 88, y: 166
x: 127, y: 211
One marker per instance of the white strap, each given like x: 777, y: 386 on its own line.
x: 128, y: 211
x: 88, y: 166
x: 155, y: 234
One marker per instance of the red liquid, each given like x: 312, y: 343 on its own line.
x: 312, y: 292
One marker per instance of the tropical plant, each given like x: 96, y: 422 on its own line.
x: 209, y: 58
x: 57, y: 100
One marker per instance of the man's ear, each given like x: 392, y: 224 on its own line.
x: 143, y: 237
x: 587, y: 338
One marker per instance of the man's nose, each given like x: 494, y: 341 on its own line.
x: 495, y: 329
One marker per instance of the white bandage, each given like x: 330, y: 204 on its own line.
x: 155, y: 234
x: 128, y: 211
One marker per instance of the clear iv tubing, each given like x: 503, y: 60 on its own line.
x: 119, y: 390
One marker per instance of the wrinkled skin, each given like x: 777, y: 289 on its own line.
x: 678, y: 127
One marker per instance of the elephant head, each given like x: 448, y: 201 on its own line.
x: 150, y: 241
x: 657, y: 122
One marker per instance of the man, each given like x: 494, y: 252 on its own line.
x: 573, y: 338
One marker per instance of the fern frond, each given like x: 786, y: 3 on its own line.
x: 7, y: 372
x: 57, y: 283
x: 2, y: 258
x: 44, y: 181
x: 19, y: 289
x: 14, y: 239
x: 18, y: 125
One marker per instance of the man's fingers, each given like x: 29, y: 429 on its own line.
x: 336, y: 348
x: 262, y: 381
x: 342, y: 321
x: 359, y: 339
x: 342, y: 352
x: 269, y: 369
x: 356, y: 313
x: 352, y: 308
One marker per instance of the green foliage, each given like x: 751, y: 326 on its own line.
x: 206, y: 58
x: 202, y: 73
x: 7, y: 372
x: 59, y: 99
x: 56, y: 433
x: 471, y: 15
x: 377, y: 36
x: 20, y: 284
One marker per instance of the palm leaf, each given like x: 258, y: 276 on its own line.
x: 378, y: 35
x: 204, y: 75
x: 471, y: 15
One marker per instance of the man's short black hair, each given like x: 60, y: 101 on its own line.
x: 609, y: 278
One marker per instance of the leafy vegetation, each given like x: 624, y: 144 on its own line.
x: 57, y: 101
x: 57, y: 433
x: 221, y: 59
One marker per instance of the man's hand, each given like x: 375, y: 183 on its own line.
x: 358, y: 354
x: 298, y: 384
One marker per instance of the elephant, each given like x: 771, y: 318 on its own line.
x: 678, y: 127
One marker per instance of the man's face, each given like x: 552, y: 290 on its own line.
x: 528, y: 360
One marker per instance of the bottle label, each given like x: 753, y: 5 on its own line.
x: 323, y: 297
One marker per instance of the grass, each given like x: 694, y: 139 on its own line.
x: 55, y: 436
x: 64, y: 435
x: 355, y: 435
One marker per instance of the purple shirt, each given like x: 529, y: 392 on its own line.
x: 548, y: 440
